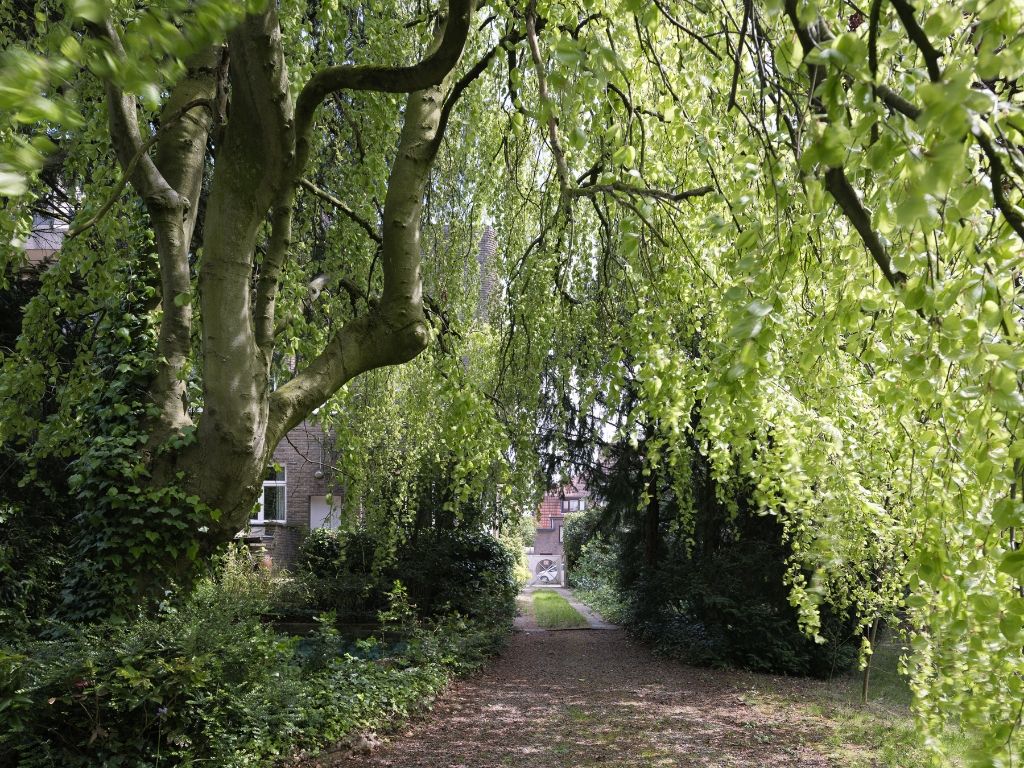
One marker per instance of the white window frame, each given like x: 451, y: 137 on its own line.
x: 275, y: 483
x: 566, y: 505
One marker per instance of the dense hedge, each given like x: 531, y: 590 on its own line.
x: 716, y: 597
x: 449, y: 571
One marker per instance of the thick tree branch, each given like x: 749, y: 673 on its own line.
x: 347, y: 210
x: 263, y: 76
x: 428, y: 72
x: 169, y: 185
x: 126, y: 174
x: 395, y: 330
x: 471, y: 75
x: 836, y: 183
x: 115, y: 193
x: 846, y: 196
x: 125, y: 135
x: 998, y: 175
x: 931, y: 56
x: 250, y: 179
x: 897, y: 103
x: 185, y: 124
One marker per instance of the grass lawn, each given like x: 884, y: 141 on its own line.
x: 554, y: 612
x: 881, y: 733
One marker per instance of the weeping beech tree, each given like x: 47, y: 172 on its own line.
x: 801, y: 220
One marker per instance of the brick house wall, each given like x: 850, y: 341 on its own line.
x: 306, y: 451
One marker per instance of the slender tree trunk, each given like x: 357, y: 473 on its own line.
x: 652, y: 525
x: 867, y: 667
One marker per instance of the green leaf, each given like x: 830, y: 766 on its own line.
x: 759, y: 308
x: 625, y: 156
x: 1008, y: 513
x: 1013, y: 564
x: 12, y: 183
x: 89, y: 10
x: 747, y: 327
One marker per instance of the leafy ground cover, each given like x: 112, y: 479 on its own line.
x: 208, y: 681
x: 554, y: 612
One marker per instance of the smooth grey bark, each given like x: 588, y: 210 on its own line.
x: 186, y: 121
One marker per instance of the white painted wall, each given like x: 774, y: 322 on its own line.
x: 322, y: 514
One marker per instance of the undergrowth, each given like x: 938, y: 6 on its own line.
x: 208, y: 682
x: 881, y: 733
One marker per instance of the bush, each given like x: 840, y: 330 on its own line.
x: 208, y: 682
x: 336, y: 569
x: 715, y: 604
x: 472, y: 574
x: 468, y: 573
x: 33, y: 559
x: 594, y: 578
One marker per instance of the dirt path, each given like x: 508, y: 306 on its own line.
x: 583, y: 699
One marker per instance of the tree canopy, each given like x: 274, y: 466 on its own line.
x: 783, y: 234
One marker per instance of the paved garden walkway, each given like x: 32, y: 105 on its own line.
x: 583, y: 699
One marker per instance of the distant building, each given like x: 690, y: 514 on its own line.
x: 546, y: 558
x: 46, y: 239
x: 485, y: 260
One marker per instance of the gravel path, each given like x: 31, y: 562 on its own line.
x: 583, y: 699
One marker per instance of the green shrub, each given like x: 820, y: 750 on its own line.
x: 728, y: 608
x: 208, y: 682
x: 336, y: 568
x: 469, y: 573
x: 33, y: 558
x: 594, y: 576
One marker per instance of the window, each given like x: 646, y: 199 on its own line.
x: 561, y: 534
x: 273, y: 500
x: 573, y: 505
